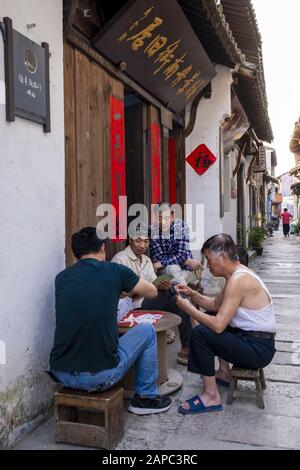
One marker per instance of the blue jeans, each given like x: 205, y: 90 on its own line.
x: 137, y: 346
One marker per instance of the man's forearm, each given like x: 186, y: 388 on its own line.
x: 206, y: 320
x: 207, y: 303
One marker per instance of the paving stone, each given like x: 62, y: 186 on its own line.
x: 252, y: 428
x: 285, y: 358
x: 279, y: 373
x: 286, y: 346
x: 194, y: 442
x: 285, y: 318
x: 288, y: 335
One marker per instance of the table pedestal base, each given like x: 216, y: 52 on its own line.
x: 173, y: 383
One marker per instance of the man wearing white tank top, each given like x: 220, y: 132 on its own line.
x: 238, y: 326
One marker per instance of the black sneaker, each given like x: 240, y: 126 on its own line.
x: 147, y: 406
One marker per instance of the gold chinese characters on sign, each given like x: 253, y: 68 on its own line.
x: 143, y: 37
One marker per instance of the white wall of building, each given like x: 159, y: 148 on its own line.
x: 211, y: 113
x: 32, y: 231
x: 230, y: 204
x: 205, y: 189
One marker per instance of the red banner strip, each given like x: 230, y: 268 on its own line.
x: 172, y: 171
x: 118, y: 164
x: 155, y: 163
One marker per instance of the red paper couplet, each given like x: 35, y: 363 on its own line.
x: 172, y: 171
x: 201, y: 159
x: 118, y: 166
x: 155, y: 163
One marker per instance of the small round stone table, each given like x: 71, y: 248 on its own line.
x: 169, y: 380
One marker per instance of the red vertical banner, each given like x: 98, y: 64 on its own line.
x: 155, y: 163
x: 118, y: 166
x: 172, y: 171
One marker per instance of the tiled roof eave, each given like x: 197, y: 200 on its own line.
x: 223, y: 31
x: 243, y: 23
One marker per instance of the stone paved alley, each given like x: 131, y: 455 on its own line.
x: 242, y: 425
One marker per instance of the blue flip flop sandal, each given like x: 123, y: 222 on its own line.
x: 223, y: 383
x: 197, y: 406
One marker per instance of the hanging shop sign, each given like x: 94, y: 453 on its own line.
x: 235, y: 128
x: 278, y: 198
x: 233, y: 188
x: 261, y: 160
x: 159, y: 49
x: 26, y: 78
x: 201, y: 159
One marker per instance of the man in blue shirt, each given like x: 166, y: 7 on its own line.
x: 87, y: 352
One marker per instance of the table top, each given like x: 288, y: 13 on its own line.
x: 168, y: 321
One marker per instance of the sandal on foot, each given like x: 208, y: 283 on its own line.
x: 197, y: 406
x: 182, y: 359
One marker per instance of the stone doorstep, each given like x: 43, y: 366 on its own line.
x: 252, y: 255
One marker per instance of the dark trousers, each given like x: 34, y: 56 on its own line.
x: 166, y: 301
x: 286, y: 229
x: 237, y: 348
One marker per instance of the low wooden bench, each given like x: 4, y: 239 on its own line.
x: 257, y: 376
x: 89, y: 419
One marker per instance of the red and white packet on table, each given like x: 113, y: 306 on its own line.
x: 136, y: 317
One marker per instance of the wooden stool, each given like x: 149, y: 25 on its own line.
x: 256, y: 376
x: 89, y: 419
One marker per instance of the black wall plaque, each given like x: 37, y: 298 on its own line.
x: 26, y: 77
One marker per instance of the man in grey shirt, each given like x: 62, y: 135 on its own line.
x: 134, y: 258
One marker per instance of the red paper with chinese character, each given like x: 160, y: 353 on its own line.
x: 172, y: 171
x: 134, y: 317
x: 155, y: 162
x: 201, y: 159
x: 118, y: 167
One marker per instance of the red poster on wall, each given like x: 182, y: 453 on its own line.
x: 155, y: 163
x: 118, y: 167
x: 201, y: 159
x: 172, y: 171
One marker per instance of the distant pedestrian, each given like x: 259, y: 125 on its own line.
x: 286, y: 219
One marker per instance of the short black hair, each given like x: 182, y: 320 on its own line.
x: 221, y: 244
x: 285, y: 210
x: 162, y: 206
x: 86, y: 242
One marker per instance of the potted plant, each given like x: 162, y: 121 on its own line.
x: 240, y: 234
x: 256, y: 238
x: 297, y: 228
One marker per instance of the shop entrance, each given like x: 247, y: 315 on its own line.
x: 137, y: 152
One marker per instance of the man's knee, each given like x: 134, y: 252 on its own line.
x: 173, y: 269
x: 145, y: 330
x: 200, y: 332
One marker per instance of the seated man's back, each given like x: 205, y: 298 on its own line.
x: 86, y: 337
x: 88, y: 353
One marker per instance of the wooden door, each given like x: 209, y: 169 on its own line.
x: 88, y: 92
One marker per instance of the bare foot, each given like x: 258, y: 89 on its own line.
x: 184, y: 352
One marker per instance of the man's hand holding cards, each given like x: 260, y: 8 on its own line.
x: 163, y: 282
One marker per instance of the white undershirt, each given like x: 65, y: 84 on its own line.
x: 255, y: 320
